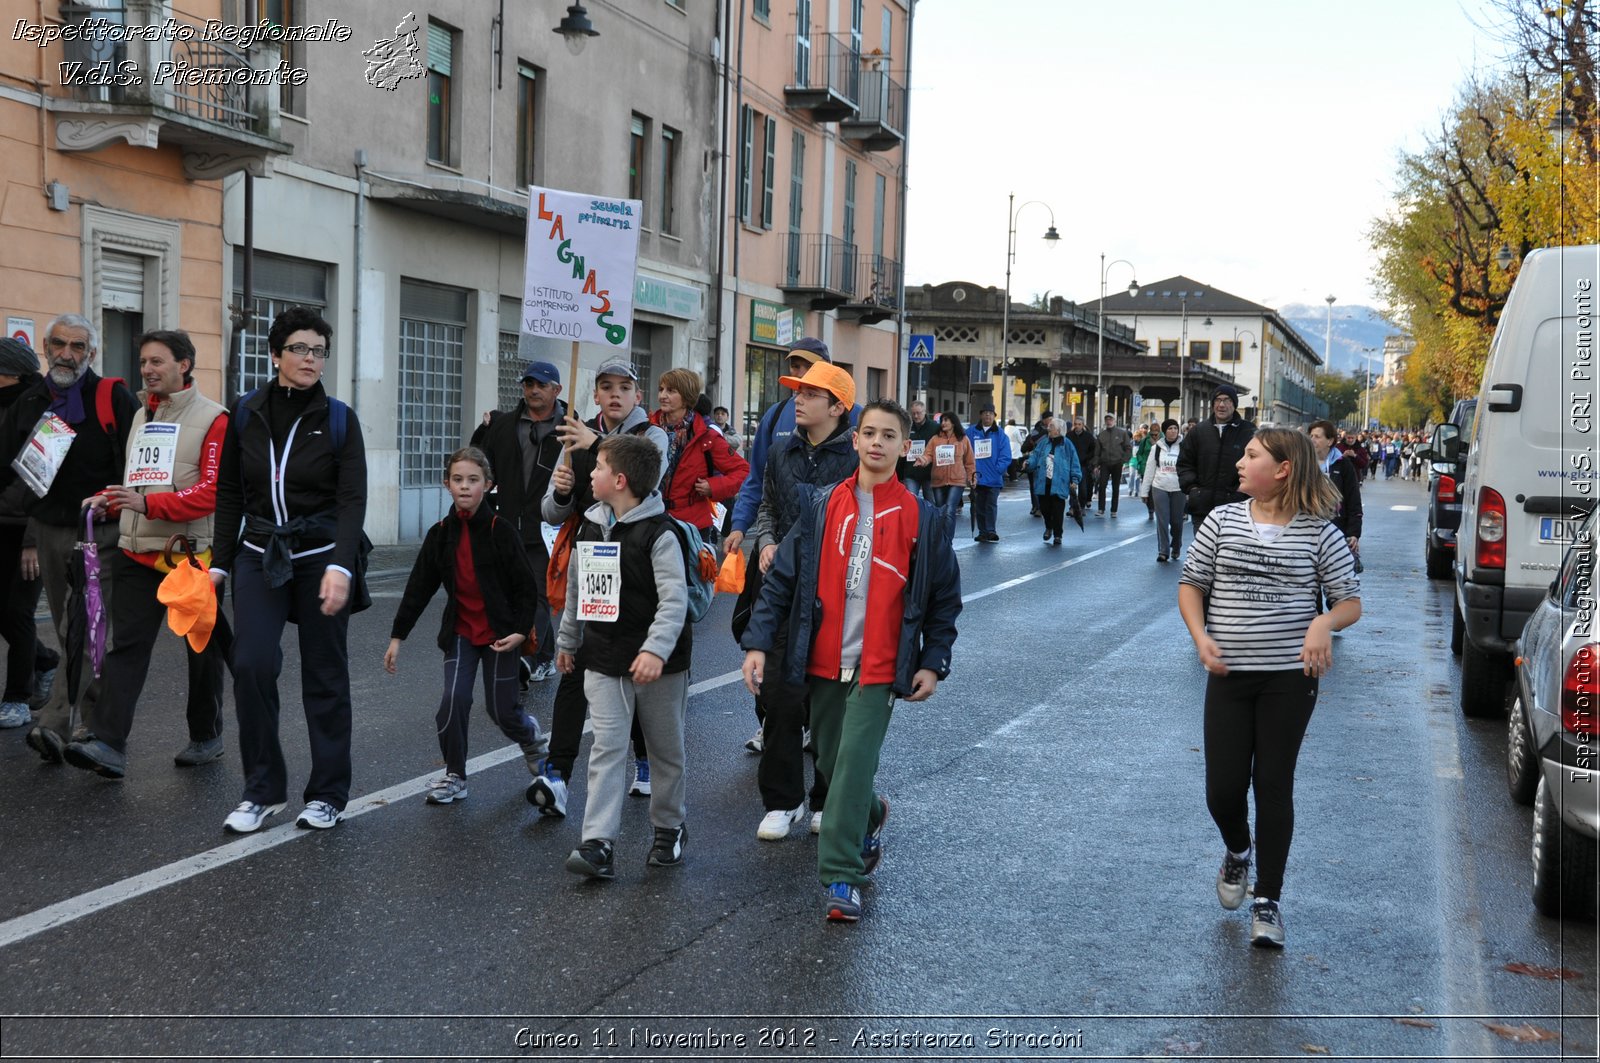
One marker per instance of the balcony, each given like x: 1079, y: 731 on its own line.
x: 820, y: 268
x: 880, y: 124
x: 214, y: 102
x: 827, y: 74
x: 875, y: 293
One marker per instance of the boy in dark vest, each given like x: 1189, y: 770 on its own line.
x: 866, y: 588
x: 625, y: 625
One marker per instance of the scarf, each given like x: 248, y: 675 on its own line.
x: 68, y: 404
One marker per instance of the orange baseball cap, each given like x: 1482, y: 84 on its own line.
x: 828, y: 377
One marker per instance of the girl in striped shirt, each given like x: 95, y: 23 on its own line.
x: 1251, y: 596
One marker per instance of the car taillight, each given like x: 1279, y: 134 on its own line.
x: 1578, y: 691
x: 1491, y: 529
x: 1447, y: 488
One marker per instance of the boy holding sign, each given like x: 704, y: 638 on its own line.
x: 627, y: 608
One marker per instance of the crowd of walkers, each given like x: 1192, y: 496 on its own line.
x: 581, y: 550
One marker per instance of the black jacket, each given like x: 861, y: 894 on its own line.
x: 327, y: 490
x: 517, y: 494
x: 793, y: 464
x: 1206, y: 461
x: 1347, y: 478
x: 1083, y: 443
x: 93, y: 462
x: 505, y: 578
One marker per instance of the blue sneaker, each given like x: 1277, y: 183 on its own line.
x: 548, y: 792
x: 842, y: 903
x: 641, y: 778
x: 872, y: 844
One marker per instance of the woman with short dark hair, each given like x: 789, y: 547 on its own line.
x: 294, y: 472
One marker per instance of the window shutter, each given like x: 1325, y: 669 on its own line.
x: 439, y: 49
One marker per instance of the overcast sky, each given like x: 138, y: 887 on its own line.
x: 1245, y: 144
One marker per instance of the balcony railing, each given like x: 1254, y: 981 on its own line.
x: 879, y: 123
x: 826, y: 76
x: 874, y: 293
x: 822, y: 267
x: 203, y: 102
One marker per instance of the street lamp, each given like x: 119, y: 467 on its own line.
x: 1366, y: 397
x: 1327, y: 335
x: 1562, y: 126
x: 1051, y: 238
x: 1183, y: 348
x: 576, y: 28
x: 1100, y: 324
x: 1505, y: 256
x: 1253, y: 341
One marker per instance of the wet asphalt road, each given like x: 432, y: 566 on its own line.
x: 1046, y: 890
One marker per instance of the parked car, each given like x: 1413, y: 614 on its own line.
x: 1446, y: 455
x: 1553, y: 734
x: 1530, y: 469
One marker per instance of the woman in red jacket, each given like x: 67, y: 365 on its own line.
x: 701, y: 469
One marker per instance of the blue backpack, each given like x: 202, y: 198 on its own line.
x: 699, y: 565
x: 338, y: 413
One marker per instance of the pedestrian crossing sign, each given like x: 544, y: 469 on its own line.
x: 920, y: 349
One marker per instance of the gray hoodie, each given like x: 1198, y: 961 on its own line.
x: 555, y: 512
x: 666, y: 558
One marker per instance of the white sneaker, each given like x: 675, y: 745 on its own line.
x: 248, y: 817
x: 816, y: 823
x: 775, y: 824
x: 753, y: 745
x: 319, y: 815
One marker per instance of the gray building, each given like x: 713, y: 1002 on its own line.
x: 401, y: 211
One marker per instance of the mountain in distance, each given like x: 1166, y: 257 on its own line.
x: 1354, y: 327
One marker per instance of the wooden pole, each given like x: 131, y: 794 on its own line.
x: 572, y: 398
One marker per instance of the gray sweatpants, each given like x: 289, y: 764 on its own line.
x: 661, y: 706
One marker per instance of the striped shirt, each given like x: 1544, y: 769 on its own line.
x: 1261, y: 596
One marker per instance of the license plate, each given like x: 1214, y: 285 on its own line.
x: 1556, y: 530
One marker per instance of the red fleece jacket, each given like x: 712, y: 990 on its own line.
x: 894, y: 538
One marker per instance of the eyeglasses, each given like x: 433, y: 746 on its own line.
x: 302, y: 350
x: 78, y: 346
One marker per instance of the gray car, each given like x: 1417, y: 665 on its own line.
x: 1553, y: 736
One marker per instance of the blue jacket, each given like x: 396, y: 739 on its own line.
x: 991, y: 470
x: 1068, y: 471
x: 777, y: 425
x: 789, y: 595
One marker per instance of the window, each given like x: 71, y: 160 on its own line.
x: 763, y: 9
x: 877, y: 382
x: 433, y: 332
x: 879, y: 194
x: 637, y: 131
x: 1200, y: 350
x: 849, y: 232
x: 802, y: 43
x: 527, y: 124
x: 762, y: 367
x: 441, y: 104
x: 277, y: 282
x: 286, y: 14
x: 747, y: 150
x: 1168, y: 348
x: 669, y: 182
x: 797, y: 192
x: 1228, y: 350
x: 769, y: 167
x: 887, y: 33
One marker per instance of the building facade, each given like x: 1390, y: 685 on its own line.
x: 1026, y: 361
x: 816, y: 124
x: 111, y: 187
x: 1219, y: 337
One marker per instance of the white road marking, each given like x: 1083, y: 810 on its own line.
x: 1403, y: 509
x: 61, y: 913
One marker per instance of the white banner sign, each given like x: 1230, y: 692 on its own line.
x: 582, y: 251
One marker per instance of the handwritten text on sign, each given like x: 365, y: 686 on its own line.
x: 582, y: 253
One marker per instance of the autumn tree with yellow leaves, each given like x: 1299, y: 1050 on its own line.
x: 1494, y: 176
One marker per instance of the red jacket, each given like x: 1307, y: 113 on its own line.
x: 895, y: 518
x: 703, y: 456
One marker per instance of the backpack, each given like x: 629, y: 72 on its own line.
x: 338, y: 413
x: 699, y: 565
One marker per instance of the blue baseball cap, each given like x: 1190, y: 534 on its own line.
x: 543, y: 372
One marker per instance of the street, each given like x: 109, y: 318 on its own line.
x: 1046, y: 889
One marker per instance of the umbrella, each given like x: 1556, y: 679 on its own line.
x: 1077, y: 511
x: 86, y: 611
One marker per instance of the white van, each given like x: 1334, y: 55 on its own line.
x: 1530, y: 465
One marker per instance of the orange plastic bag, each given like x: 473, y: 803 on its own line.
x: 730, y: 577
x: 191, y: 601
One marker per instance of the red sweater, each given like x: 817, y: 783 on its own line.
x: 894, y: 538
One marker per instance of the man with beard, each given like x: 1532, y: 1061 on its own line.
x: 99, y: 414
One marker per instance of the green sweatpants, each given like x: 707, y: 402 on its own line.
x: 848, y: 724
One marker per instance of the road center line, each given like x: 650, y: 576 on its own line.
x: 61, y: 913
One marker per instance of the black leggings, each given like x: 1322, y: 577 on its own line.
x: 1054, y: 507
x: 1254, y: 722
